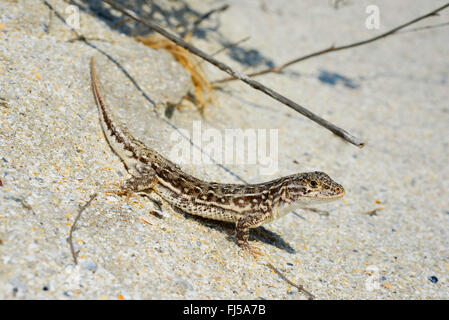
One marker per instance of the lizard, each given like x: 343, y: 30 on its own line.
x: 245, y: 205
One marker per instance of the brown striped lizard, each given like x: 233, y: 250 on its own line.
x: 248, y: 206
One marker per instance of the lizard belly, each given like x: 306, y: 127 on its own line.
x: 189, y: 205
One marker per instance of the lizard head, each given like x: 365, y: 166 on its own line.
x: 313, y: 187
x: 309, y: 188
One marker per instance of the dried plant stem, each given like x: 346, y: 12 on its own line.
x: 300, y: 287
x: 339, y: 48
x: 253, y: 83
x: 72, y: 228
x: 434, y: 26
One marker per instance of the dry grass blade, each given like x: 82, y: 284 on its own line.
x: 203, y: 91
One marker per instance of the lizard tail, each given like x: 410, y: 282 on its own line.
x: 119, y: 139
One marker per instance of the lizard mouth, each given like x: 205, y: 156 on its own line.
x: 326, y: 197
x: 339, y: 195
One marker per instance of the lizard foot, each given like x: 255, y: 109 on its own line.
x: 121, y: 191
x: 253, y: 250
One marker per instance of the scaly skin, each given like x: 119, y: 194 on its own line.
x: 248, y: 206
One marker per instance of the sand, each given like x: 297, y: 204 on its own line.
x: 387, y: 239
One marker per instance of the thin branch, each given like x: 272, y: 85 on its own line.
x: 72, y: 228
x: 253, y: 83
x: 300, y: 287
x: 333, y: 48
x: 433, y: 26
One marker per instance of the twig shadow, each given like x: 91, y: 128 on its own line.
x: 333, y: 79
x: 176, y: 16
x: 147, y: 97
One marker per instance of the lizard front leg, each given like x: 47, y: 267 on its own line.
x: 140, y: 183
x: 242, y: 231
x: 146, y: 180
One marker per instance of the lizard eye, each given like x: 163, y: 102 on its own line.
x: 313, y: 184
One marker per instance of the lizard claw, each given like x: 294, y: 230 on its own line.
x: 121, y: 191
x: 253, y: 250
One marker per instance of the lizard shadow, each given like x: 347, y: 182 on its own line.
x: 260, y: 233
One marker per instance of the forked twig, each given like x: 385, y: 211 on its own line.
x: 253, y: 83
x: 300, y: 287
x: 339, y: 48
x: 72, y: 228
x: 433, y: 26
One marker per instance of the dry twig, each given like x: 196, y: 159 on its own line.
x: 300, y: 287
x: 333, y: 48
x: 253, y: 83
x: 433, y: 26
x: 72, y: 228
